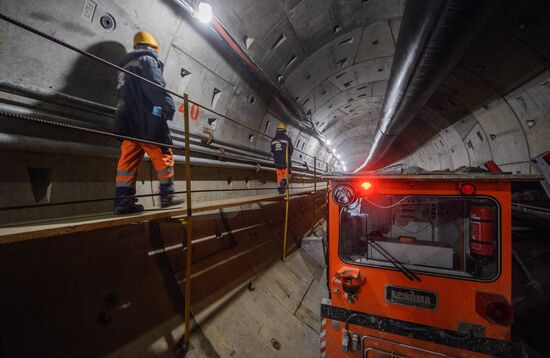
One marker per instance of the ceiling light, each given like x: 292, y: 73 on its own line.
x: 204, y: 14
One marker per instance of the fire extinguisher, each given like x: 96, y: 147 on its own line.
x: 482, y: 226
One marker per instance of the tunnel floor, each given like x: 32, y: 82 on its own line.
x: 278, y: 314
x: 531, y: 301
x: 532, y: 297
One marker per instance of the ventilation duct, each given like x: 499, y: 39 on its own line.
x: 433, y: 37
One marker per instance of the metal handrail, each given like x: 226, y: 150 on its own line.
x: 188, y: 220
x: 110, y: 64
x: 87, y: 201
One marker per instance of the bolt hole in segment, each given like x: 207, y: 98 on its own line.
x: 276, y: 344
x: 108, y: 22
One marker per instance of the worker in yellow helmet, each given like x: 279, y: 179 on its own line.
x: 142, y: 112
x: 279, y: 145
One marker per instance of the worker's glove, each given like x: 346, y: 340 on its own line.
x: 168, y: 113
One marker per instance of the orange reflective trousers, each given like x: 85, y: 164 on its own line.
x: 131, y: 155
x: 281, y: 174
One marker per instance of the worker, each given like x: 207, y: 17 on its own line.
x: 142, y: 112
x: 279, y: 145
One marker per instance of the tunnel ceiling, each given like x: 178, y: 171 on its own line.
x: 483, y: 97
x: 334, y: 57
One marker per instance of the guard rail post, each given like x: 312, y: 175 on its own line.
x: 287, y: 200
x: 314, y: 195
x: 189, y: 223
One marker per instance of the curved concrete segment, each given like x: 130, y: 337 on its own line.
x: 279, y: 317
x: 276, y: 314
x: 101, y: 291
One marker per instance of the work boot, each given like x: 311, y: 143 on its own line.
x: 170, y: 200
x: 128, y: 207
x: 282, y: 186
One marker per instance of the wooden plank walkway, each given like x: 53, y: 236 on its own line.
x: 70, y: 225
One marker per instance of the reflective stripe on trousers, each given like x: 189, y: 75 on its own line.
x: 131, y: 156
x: 281, y: 174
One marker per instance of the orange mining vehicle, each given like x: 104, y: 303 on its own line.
x: 419, y: 266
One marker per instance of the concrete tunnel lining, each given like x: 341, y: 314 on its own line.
x: 334, y: 58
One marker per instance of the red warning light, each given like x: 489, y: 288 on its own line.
x: 494, y: 308
x: 366, y: 186
x: 467, y: 189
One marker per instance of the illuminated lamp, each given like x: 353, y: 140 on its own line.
x: 344, y: 195
x: 467, y: 189
x: 204, y: 13
x: 367, y: 186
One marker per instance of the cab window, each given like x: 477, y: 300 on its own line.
x: 444, y: 235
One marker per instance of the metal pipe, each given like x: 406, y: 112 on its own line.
x: 64, y: 100
x: 220, y: 31
x: 77, y: 103
x: 61, y: 99
x: 222, y: 145
x: 212, y: 152
x: 23, y: 111
x: 63, y: 120
x: 40, y: 145
x: 234, y: 146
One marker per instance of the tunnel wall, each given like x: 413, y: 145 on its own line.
x: 511, y: 131
x: 121, y: 289
x: 194, y: 64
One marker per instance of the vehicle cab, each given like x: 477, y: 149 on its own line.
x: 419, y: 266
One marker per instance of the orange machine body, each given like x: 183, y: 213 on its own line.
x: 453, y: 324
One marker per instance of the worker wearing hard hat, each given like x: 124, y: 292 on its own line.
x: 279, y: 145
x: 142, y: 112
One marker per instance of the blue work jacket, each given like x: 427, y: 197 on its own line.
x: 278, y: 148
x: 143, y: 109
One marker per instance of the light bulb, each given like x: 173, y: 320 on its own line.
x: 205, y: 12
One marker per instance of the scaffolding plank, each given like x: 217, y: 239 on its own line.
x: 70, y: 225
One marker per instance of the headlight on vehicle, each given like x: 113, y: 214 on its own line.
x: 344, y: 195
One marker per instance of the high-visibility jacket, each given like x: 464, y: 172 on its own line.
x: 143, y: 109
x: 278, y: 148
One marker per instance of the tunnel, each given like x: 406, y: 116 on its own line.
x: 241, y: 265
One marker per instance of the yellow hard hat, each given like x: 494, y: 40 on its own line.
x: 145, y: 38
x: 281, y: 126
